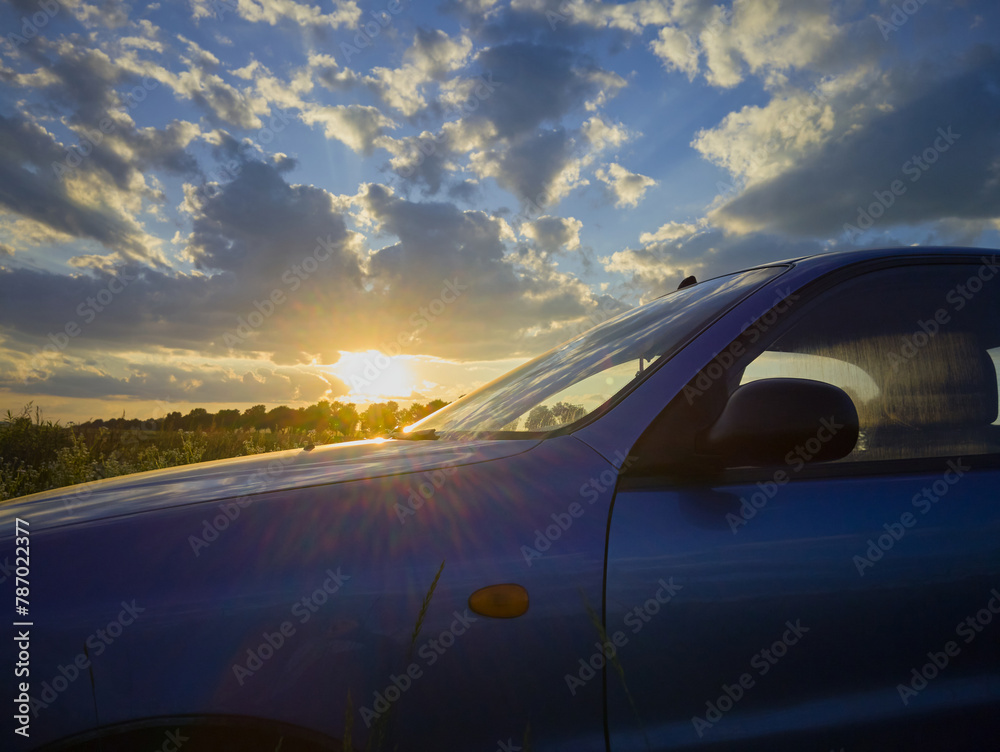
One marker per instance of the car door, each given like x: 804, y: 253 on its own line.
x: 849, y: 604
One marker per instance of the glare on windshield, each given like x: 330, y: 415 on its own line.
x: 577, y: 378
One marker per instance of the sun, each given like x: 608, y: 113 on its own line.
x: 374, y: 376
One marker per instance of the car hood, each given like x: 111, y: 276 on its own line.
x: 240, y: 476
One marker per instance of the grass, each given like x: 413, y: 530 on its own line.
x: 377, y: 737
x: 40, y: 455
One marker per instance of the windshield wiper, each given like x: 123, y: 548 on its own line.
x: 425, y: 434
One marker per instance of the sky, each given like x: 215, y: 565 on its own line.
x: 222, y: 203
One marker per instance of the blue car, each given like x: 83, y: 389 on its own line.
x: 758, y: 513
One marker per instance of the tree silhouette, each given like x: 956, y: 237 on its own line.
x: 540, y: 418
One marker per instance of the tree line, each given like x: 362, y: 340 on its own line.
x: 339, y: 417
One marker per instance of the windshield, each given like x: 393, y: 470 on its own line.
x: 577, y: 378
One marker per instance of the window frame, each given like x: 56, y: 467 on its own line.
x: 646, y: 475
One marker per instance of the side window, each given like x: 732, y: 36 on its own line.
x: 915, y: 347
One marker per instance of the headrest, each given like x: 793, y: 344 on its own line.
x: 945, y: 380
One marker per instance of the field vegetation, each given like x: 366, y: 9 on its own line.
x: 38, y: 454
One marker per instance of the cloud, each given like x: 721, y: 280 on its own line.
x: 432, y: 56
x: 677, y: 50
x: 678, y: 250
x: 400, y: 88
x: 756, y: 143
x: 325, y: 68
x: 539, y: 169
x: 111, y: 14
x: 940, y: 146
x: 358, y: 126
x: 67, y: 205
x: 503, y: 312
x: 214, y: 95
x: 539, y: 85
x: 429, y: 158
x: 76, y: 80
x: 668, y: 231
x: 274, y: 12
x: 437, y: 54
x: 629, y: 16
x: 260, y: 248
x: 551, y: 234
x: 257, y: 223
x: 177, y: 381
x: 601, y: 135
x: 279, y: 275
x: 628, y: 188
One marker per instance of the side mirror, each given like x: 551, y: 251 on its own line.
x: 774, y: 421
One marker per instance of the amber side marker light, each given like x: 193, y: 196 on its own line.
x: 500, y: 601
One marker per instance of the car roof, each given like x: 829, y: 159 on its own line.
x: 833, y: 259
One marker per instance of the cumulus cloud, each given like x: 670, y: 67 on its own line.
x: 552, y: 234
x: 758, y: 142
x: 432, y: 56
x: 273, y: 12
x: 601, y: 135
x: 328, y: 72
x: 669, y: 231
x: 437, y: 54
x: 677, y: 50
x: 628, y: 188
x: 358, y: 126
